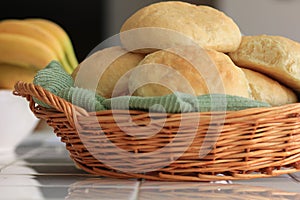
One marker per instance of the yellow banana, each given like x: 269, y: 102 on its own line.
x: 61, y: 35
x: 24, y: 51
x: 36, y: 32
x: 10, y: 74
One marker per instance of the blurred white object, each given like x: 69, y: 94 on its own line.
x: 16, y: 120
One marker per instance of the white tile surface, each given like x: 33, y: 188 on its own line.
x: 278, y: 183
x: 192, y: 191
x: 18, y: 180
x: 69, y: 188
x: 103, y: 193
x: 24, y: 192
x: 42, y: 169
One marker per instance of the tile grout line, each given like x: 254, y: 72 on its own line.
x: 31, y: 152
x: 135, y: 194
x: 17, y: 159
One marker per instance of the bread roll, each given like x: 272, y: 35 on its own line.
x: 265, y: 89
x: 159, y: 26
x: 194, y: 73
x: 275, y: 56
x: 103, y: 69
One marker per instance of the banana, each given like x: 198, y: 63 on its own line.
x: 36, y: 32
x: 10, y: 74
x: 60, y: 34
x: 24, y: 51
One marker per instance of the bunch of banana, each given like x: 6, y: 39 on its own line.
x: 27, y: 45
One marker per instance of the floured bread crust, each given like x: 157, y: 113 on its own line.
x: 208, y: 27
x: 265, y: 89
x: 195, y: 74
x: 275, y: 56
x: 106, y: 68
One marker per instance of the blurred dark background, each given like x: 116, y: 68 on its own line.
x: 88, y: 23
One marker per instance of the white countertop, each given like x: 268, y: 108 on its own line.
x: 41, y: 169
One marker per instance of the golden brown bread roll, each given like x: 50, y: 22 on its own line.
x: 275, y: 56
x: 265, y: 89
x: 206, y: 26
x: 103, y: 69
x: 217, y: 74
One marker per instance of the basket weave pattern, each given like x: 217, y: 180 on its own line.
x: 253, y: 143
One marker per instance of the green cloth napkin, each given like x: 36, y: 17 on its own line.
x: 52, y: 78
x: 180, y: 102
x: 84, y: 98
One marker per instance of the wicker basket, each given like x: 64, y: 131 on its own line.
x: 253, y: 143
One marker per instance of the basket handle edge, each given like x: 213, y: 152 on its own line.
x: 28, y: 90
